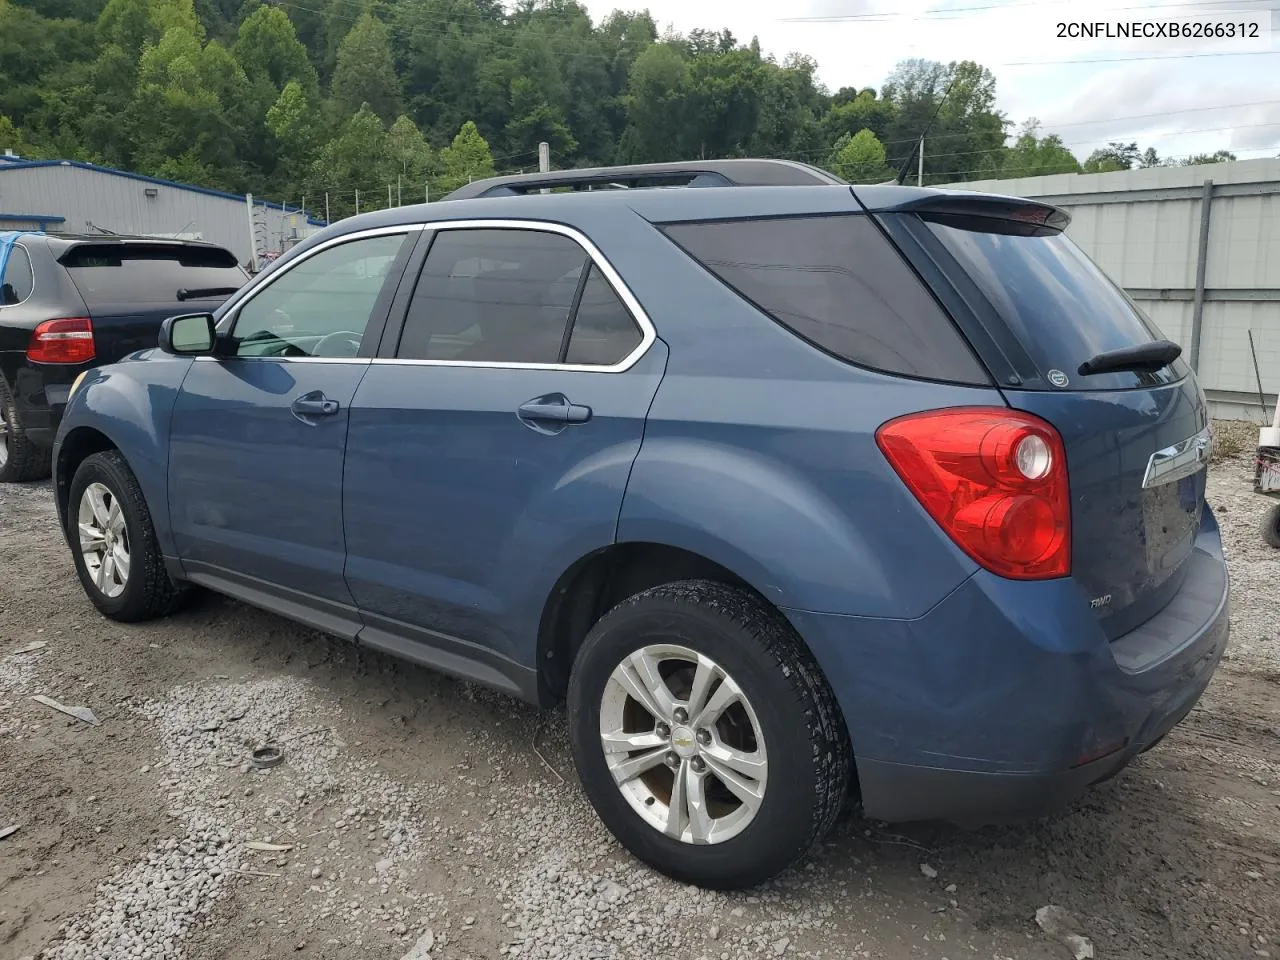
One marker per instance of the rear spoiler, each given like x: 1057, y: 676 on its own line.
x: 957, y: 203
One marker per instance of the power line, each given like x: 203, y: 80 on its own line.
x: 1100, y: 121
x: 1065, y: 143
x: 1177, y: 56
x: 948, y: 13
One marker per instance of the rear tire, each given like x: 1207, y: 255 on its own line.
x: 769, y: 721
x: 114, y: 544
x: 1271, y: 527
x: 20, y: 459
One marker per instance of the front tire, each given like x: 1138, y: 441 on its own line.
x: 114, y: 544
x: 705, y: 735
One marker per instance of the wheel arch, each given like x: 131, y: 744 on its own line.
x: 79, y: 444
x: 597, y: 582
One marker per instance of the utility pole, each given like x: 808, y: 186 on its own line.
x: 426, y: 193
x: 388, y: 196
x: 326, y: 206
x: 253, y: 234
x: 920, y: 165
x: 357, y: 201
x: 304, y: 209
x: 399, y: 195
x: 544, y: 160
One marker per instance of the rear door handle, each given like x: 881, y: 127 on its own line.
x: 555, y: 408
x: 314, y: 404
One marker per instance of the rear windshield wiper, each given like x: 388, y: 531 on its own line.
x: 205, y: 293
x: 1155, y: 355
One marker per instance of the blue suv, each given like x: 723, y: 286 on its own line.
x: 790, y: 490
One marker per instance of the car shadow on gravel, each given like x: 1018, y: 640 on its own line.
x: 1159, y: 857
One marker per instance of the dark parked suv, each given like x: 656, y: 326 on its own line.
x: 68, y: 303
x: 784, y: 489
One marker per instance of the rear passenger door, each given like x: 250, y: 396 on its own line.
x: 491, y: 440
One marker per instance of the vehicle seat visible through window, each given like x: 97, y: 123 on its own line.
x: 515, y: 321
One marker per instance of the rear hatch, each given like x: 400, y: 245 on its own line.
x: 1136, y: 436
x: 129, y: 287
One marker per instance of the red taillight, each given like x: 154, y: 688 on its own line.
x: 994, y: 479
x: 62, y: 341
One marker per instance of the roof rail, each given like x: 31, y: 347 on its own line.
x: 693, y: 173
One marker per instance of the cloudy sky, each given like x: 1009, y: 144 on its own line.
x: 1194, y: 99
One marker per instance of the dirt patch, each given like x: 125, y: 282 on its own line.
x: 414, y: 810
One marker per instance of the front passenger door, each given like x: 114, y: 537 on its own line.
x: 259, y: 434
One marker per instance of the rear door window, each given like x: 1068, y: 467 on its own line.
x: 837, y: 282
x: 1058, y: 303
x: 493, y: 296
x: 123, y: 273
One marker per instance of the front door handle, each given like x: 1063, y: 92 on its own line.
x: 314, y: 404
x: 553, y: 409
x: 558, y: 412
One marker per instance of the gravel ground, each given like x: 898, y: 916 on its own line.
x: 415, y: 816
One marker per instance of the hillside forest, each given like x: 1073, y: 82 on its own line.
x: 412, y: 98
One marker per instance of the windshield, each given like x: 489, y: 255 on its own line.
x: 1058, y: 302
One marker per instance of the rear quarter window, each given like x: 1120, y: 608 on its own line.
x: 152, y: 273
x: 838, y: 283
x: 18, y: 281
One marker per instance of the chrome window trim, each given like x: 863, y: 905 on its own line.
x: 227, y: 323
x: 648, y: 334
x: 1178, y: 460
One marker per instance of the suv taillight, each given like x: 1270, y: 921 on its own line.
x: 994, y: 479
x: 68, y: 340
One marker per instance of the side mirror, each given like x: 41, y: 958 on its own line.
x: 190, y: 335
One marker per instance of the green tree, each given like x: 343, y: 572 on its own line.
x: 295, y: 124
x: 1218, y: 156
x: 966, y: 139
x: 467, y: 158
x: 11, y: 139
x: 657, y: 106
x: 859, y: 158
x: 187, y: 106
x: 354, y: 160
x: 134, y: 24
x: 853, y: 111
x: 408, y: 153
x: 268, y: 49
x: 1034, y: 156
x: 365, y: 71
x: 1114, y: 156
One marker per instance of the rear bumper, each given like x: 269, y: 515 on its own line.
x: 1006, y: 701
x: 40, y: 395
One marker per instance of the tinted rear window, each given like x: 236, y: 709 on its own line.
x: 1059, y: 304
x: 152, y: 273
x: 837, y: 282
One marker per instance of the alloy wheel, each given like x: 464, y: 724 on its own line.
x: 684, y: 744
x: 104, y: 539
